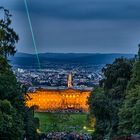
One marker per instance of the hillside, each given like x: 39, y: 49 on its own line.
x: 23, y: 59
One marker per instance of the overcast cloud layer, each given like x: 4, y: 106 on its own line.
x: 93, y: 26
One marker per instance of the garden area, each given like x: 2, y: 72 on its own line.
x: 58, y: 122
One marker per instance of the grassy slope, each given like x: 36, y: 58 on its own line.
x: 61, y: 122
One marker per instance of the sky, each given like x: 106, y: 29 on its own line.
x: 77, y: 26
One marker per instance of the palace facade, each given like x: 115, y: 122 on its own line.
x: 59, y: 99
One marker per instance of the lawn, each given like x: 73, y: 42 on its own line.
x: 61, y: 122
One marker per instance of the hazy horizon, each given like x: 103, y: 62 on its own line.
x: 75, y: 53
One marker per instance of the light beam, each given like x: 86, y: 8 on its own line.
x: 32, y: 32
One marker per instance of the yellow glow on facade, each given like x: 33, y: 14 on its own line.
x: 49, y: 99
x: 59, y: 99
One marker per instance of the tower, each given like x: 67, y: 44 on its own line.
x: 69, y: 80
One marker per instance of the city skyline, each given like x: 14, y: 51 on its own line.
x: 77, y: 26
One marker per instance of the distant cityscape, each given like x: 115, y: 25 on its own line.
x: 55, y: 76
x: 55, y: 68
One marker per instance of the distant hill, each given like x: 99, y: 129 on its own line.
x: 23, y: 59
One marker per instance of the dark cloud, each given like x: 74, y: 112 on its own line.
x: 86, y: 9
x: 77, y: 25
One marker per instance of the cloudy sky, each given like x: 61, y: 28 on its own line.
x: 92, y: 26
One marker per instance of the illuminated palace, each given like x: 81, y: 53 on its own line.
x: 60, y: 99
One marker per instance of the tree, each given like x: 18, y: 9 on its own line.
x: 13, y: 123
x: 117, y: 76
x: 98, y: 104
x: 135, y: 80
x: 130, y: 111
x: 106, y: 100
x: 31, y: 124
x: 129, y: 114
x: 8, y: 37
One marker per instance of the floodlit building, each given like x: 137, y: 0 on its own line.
x: 60, y: 99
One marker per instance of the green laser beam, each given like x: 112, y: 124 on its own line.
x: 32, y: 32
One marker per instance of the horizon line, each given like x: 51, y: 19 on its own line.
x: 76, y: 53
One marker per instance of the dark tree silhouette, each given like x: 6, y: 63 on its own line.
x: 8, y: 37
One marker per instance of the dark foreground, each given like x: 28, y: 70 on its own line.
x: 65, y: 136
x: 78, y: 136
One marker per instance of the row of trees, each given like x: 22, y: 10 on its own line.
x: 129, y: 113
x: 115, y: 103
x: 16, y: 120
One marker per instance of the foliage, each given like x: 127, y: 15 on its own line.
x: 10, y: 89
x: 10, y: 122
x: 90, y: 122
x: 15, y: 120
x: 31, y: 125
x: 116, y: 76
x: 8, y: 37
x: 129, y: 113
x: 106, y: 100
x: 135, y: 80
